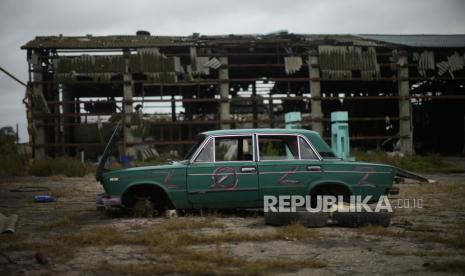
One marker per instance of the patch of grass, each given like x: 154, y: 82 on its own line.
x: 166, y: 236
x: 416, y: 163
x: 181, y: 224
x: 173, y: 240
x: 449, y: 267
x: 178, y: 239
x: 217, y: 262
x: 393, y: 252
x: 451, y: 189
x: 61, y: 222
x: 67, y: 244
x: 456, y: 242
x: 67, y: 166
x: 297, y: 232
x: 378, y: 231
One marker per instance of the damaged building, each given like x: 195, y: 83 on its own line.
x: 402, y: 92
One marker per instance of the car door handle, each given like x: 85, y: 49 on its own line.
x: 313, y: 168
x: 248, y: 169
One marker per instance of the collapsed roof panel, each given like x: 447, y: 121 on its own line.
x: 147, y: 41
x: 443, y: 41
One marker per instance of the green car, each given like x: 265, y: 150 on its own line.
x: 237, y: 168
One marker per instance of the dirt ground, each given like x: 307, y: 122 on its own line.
x: 70, y: 237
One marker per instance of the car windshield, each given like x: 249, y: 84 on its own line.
x: 200, y: 139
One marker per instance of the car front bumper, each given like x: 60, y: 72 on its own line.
x: 105, y: 201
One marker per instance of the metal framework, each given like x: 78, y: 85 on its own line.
x: 405, y: 91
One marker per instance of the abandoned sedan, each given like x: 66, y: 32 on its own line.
x: 237, y: 168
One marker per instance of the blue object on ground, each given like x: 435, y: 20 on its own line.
x: 44, y: 198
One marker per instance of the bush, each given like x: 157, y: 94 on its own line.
x: 40, y: 167
x: 11, y: 167
x: 66, y: 166
x: 11, y: 163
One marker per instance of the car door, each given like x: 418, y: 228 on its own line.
x: 287, y: 164
x: 224, y: 173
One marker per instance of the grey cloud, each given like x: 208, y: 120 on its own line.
x: 21, y: 21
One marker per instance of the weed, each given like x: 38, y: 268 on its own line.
x: 187, y: 261
x: 61, y: 222
x: 40, y: 167
x: 449, y: 267
x: 415, y: 235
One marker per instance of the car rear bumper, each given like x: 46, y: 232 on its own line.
x: 392, y: 191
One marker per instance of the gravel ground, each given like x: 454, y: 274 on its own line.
x: 428, y: 240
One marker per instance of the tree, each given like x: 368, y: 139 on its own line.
x: 7, y: 143
x: 11, y: 162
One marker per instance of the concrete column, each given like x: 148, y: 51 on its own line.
x: 271, y: 110
x: 128, y: 88
x: 67, y: 96
x: 37, y: 91
x: 315, y: 91
x: 405, y: 123
x: 224, y: 93
x: 173, y: 108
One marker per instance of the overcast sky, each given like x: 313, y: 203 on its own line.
x: 21, y: 21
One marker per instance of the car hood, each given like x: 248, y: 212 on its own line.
x: 167, y: 166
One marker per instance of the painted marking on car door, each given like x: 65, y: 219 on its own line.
x: 224, y: 178
x: 283, y: 179
x: 363, y: 181
x: 167, y: 181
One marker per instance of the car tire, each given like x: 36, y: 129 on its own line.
x: 143, y: 207
x: 304, y: 217
x: 316, y: 219
x: 357, y: 219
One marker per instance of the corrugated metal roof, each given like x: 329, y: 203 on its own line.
x: 134, y: 41
x: 141, y: 41
x: 442, y: 41
x: 102, y: 42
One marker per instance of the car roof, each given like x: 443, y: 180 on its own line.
x: 258, y: 130
x: 313, y: 136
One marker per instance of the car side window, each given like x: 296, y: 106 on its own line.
x: 234, y: 148
x: 306, y: 152
x: 206, y: 155
x: 278, y: 147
